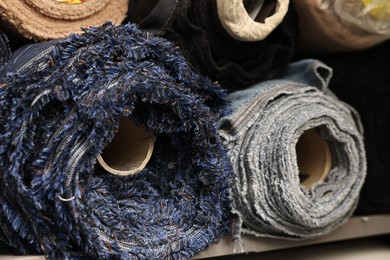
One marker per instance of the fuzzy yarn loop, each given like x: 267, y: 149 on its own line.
x: 60, y: 110
x: 262, y: 132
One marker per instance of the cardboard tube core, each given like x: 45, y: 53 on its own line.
x: 314, y: 158
x: 259, y: 10
x: 129, y: 151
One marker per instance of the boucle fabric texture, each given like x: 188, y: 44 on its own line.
x: 362, y: 79
x: 261, y: 133
x: 322, y: 30
x: 195, y: 26
x: 62, y: 107
x: 51, y: 19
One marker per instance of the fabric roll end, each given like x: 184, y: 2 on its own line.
x: 238, y: 23
x: 129, y: 151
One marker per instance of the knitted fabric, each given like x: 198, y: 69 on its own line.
x: 61, y: 109
x: 362, y: 80
x: 261, y: 133
x: 196, y: 28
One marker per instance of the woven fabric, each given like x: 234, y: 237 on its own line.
x: 62, y: 107
x: 262, y: 131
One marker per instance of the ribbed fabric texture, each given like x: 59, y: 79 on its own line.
x: 61, y: 107
x: 196, y: 28
x: 261, y: 133
x: 362, y: 79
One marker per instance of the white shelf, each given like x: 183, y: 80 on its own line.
x: 356, y: 227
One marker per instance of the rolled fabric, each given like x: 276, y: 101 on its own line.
x: 297, y: 153
x: 322, y: 30
x: 370, y: 15
x: 362, y: 80
x: 243, y: 26
x: 5, y: 51
x: 52, y: 19
x: 236, y: 59
x: 63, y: 106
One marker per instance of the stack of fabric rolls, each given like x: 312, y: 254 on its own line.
x: 152, y: 129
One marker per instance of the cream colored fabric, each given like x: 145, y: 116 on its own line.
x: 49, y: 19
x: 323, y: 31
x: 239, y: 24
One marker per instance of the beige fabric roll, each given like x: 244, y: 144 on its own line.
x: 323, y: 31
x: 51, y: 19
x: 241, y: 26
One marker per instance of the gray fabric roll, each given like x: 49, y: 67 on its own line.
x: 261, y: 132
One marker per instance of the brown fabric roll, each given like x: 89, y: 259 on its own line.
x: 323, y: 31
x: 51, y: 19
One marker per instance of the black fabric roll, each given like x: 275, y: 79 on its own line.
x: 196, y: 28
x: 5, y: 51
x: 362, y: 79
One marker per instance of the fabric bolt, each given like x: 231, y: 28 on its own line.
x: 196, y: 27
x: 61, y: 107
x: 5, y: 51
x: 238, y: 22
x: 371, y: 15
x: 362, y: 80
x: 52, y: 19
x: 322, y: 30
x: 261, y: 133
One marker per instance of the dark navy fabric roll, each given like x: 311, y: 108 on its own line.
x: 362, y: 79
x: 196, y: 28
x: 62, y: 106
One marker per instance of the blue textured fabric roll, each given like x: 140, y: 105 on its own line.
x: 297, y: 152
x: 61, y: 107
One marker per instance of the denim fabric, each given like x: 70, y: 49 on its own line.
x: 5, y: 51
x: 63, y: 109
x: 195, y: 27
x: 362, y: 79
x: 261, y: 132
